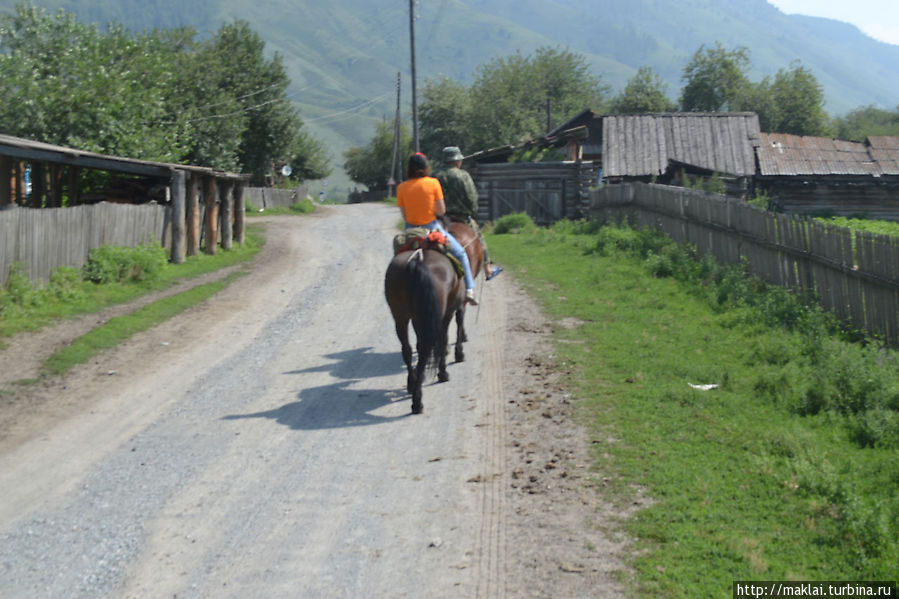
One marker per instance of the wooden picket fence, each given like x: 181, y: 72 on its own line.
x: 47, y: 238
x: 855, y: 276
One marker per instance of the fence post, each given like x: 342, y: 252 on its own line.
x: 178, y: 215
x: 240, y: 212
x: 192, y: 215
x: 210, y: 198
x: 227, y: 197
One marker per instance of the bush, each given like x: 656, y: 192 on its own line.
x: 514, y: 223
x: 66, y: 284
x: 116, y: 264
x: 304, y: 206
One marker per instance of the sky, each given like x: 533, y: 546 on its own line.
x: 877, y: 18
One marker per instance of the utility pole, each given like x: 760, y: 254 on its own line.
x: 414, y: 99
x: 396, y: 142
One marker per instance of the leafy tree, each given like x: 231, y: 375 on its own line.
x: 161, y: 96
x: 866, y: 121
x: 259, y: 86
x: 645, y: 92
x: 370, y: 166
x: 511, y: 95
x: 67, y: 83
x: 443, y: 115
x: 715, y: 79
x: 799, y: 101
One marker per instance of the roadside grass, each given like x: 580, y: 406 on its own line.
x: 304, y: 206
x: 120, y: 328
x: 788, y: 470
x: 25, y: 306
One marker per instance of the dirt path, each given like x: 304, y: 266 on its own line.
x: 260, y: 445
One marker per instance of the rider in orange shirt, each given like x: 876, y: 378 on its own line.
x: 420, y: 199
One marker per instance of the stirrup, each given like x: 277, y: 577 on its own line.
x: 496, y: 271
x: 469, y: 298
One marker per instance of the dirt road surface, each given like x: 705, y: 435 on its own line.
x: 261, y: 445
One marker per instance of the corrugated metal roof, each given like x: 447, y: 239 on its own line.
x: 643, y: 145
x: 27, y: 149
x: 781, y: 154
x: 885, y: 150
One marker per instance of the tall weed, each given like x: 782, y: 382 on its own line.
x: 116, y: 264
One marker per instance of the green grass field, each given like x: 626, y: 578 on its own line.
x: 788, y: 470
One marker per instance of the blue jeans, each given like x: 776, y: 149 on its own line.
x: 455, y: 248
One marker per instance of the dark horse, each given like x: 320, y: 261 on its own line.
x: 422, y: 286
x: 469, y: 240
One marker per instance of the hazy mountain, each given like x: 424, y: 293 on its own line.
x: 343, y: 56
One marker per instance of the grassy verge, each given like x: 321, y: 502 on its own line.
x: 304, y: 206
x: 121, y: 328
x: 24, y: 306
x: 789, y: 469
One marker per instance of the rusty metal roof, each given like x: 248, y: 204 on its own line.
x: 644, y: 144
x: 781, y: 154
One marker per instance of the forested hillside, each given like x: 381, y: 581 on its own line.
x: 343, y: 56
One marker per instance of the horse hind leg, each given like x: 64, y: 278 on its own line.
x: 402, y: 332
x: 461, y: 337
x: 419, y: 375
x: 442, y: 374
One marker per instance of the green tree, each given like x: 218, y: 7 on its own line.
x: 510, y: 95
x: 161, y: 96
x: 67, y: 83
x: 644, y: 92
x: 867, y: 121
x: 370, y: 166
x: 443, y: 114
x: 715, y: 79
x: 799, y: 102
x: 259, y: 85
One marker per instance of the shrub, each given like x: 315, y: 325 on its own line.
x: 304, y: 206
x: 514, y: 223
x: 66, y: 284
x: 117, y: 264
x: 18, y: 293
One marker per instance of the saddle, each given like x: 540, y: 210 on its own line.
x: 419, y: 238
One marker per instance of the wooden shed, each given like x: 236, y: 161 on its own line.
x: 819, y: 175
x: 194, y: 196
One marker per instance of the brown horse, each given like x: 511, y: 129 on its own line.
x: 468, y: 239
x: 422, y: 286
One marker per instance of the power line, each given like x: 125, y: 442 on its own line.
x: 358, y: 107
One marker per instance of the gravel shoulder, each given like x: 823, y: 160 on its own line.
x: 260, y: 445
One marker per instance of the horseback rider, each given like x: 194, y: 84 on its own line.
x: 461, y: 197
x: 420, y: 200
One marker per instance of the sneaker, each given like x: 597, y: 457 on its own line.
x: 469, y: 298
x: 496, y: 271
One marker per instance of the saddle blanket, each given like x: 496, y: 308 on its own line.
x: 421, y: 238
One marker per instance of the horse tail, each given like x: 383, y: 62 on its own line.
x: 426, y: 315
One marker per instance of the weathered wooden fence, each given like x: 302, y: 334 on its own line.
x: 547, y: 191
x: 269, y: 197
x: 854, y: 276
x: 44, y: 239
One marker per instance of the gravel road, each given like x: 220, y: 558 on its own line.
x: 261, y: 445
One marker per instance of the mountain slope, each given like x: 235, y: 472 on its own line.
x: 343, y: 56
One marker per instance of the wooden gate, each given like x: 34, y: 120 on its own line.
x: 547, y: 192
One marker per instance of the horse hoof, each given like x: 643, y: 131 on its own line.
x: 417, y: 408
x: 460, y: 356
x: 443, y: 377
